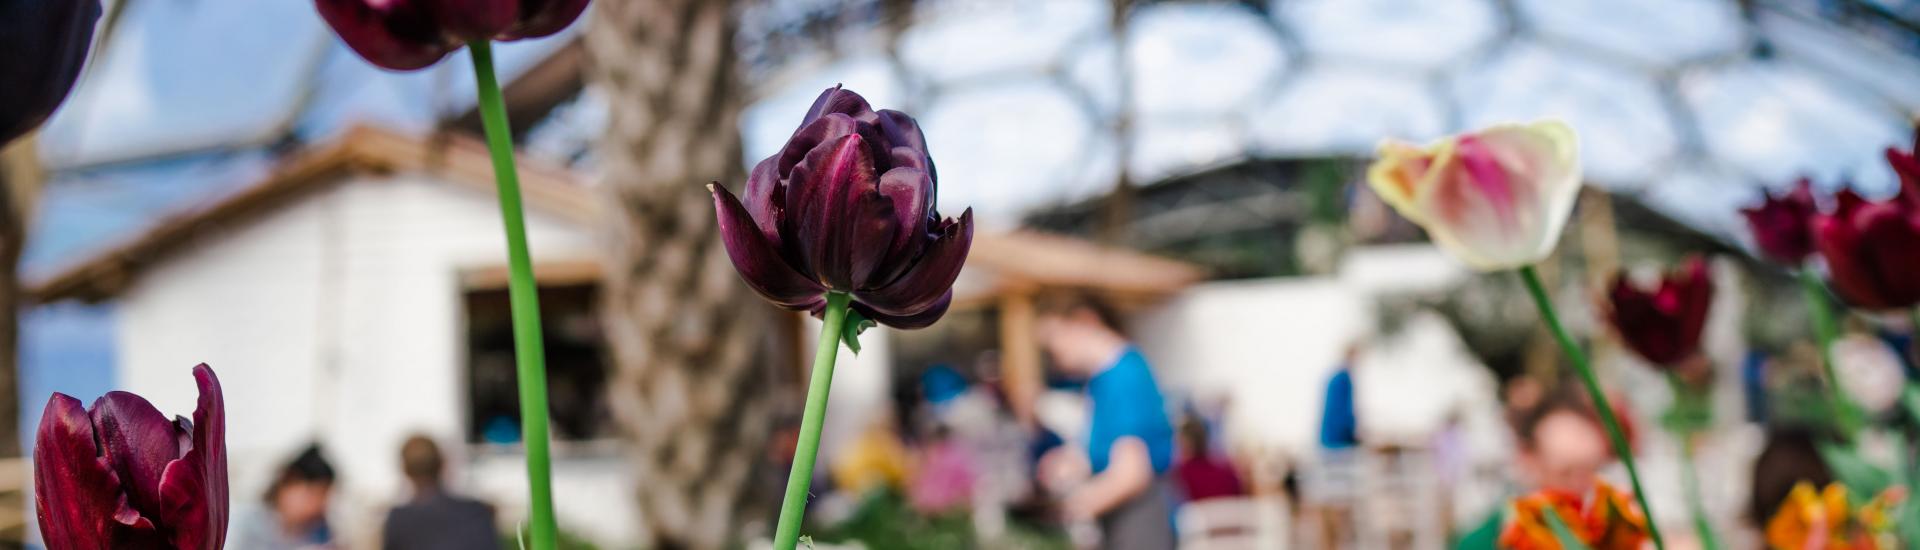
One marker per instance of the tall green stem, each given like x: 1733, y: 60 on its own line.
x: 1824, y: 333
x: 821, y: 382
x: 1689, y: 471
x: 524, y: 297
x: 1691, y: 479
x: 1592, y: 383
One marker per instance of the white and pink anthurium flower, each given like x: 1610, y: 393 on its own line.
x: 1497, y: 198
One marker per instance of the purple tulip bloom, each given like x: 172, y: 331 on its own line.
x: 848, y: 206
x: 405, y: 35
x: 1663, y: 324
x: 46, y: 43
x: 1782, y: 225
x: 1873, y: 248
x: 122, y: 476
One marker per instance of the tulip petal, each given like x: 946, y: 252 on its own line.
x: 923, y: 319
x: 400, y: 35
x: 1505, y: 224
x: 46, y: 45
x: 763, y: 269
x: 470, y: 20
x: 910, y: 193
x: 901, y: 131
x: 1839, y: 243
x: 139, y: 442
x: 76, y: 492
x: 819, y: 131
x: 193, y: 489
x: 765, y: 199
x: 839, y: 178
x: 544, y: 17
x: 1782, y: 225
x: 841, y: 101
x: 930, y: 277
x: 1397, y: 175
x: 1891, y: 238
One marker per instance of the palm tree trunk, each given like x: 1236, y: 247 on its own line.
x: 690, y: 389
x: 19, y: 180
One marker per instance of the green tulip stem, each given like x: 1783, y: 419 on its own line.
x: 1690, y: 478
x: 1825, y: 331
x: 524, y: 297
x: 821, y: 382
x: 1605, y: 409
x: 1689, y: 473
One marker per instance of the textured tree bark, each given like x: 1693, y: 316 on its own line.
x: 689, y: 390
x: 19, y: 181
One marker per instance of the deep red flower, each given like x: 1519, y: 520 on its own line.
x: 1782, y: 224
x: 848, y: 206
x: 1872, y: 249
x: 1663, y: 324
x: 123, y: 476
x: 405, y: 35
x: 43, y: 44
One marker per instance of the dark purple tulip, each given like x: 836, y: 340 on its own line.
x: 1663, y: 324
x: 848, y: 206
x: 1782, y: 224
x: 1873, y: 248
x: 43, y: 43
x: 123, y: 476
x: 405, y: 35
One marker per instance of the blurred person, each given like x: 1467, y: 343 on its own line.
x: 1339, y: 424
x: 1562, y: 446
x: 1202, y: 472
x: 294, y: 515
x: 435, y: 519
x: 1117, y: 479
x: 944, y: 480
x: 1789, y: 457
x: 1334, y: 483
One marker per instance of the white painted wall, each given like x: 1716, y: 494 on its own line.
x: 338, y: 318
x: 1268, y: 346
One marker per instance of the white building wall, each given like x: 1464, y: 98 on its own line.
x: 338, y: 318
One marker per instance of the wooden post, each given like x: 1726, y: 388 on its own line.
x: 1020, y: 354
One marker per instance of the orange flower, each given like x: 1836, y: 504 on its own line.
x: 1616, y: 524
x: 1607, y: 520
x: 1823, y: 520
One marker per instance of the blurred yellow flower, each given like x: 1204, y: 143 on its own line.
x: 1813, y: 519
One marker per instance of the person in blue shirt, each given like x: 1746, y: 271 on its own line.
x: 1339, y: 426
x: 1129, y: 442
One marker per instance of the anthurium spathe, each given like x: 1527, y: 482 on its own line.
x: 43, y: 44
x: 1663, y: 324
x: 122, y: 476
x: 1496, y: 198
x: 405, y: 35
x: 847, y: 206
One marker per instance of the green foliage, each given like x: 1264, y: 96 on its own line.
x: 850, y: 332
x: 886, y: 521
x: 565, y: 540
x: 1691, y: 411
x: 1563, y: 533
x: 1862, y: 478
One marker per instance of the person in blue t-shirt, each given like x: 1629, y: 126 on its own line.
x: 1118, y: 478
x: 1339, y: 426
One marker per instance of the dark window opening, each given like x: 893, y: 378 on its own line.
x: 577, y: 369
